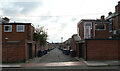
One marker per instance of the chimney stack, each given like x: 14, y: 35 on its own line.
x: 6, y: 19
x: 102, y: 17
x: 110, y: 13
x: 118, y: 2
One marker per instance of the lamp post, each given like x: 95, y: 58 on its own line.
x: 61, y: 39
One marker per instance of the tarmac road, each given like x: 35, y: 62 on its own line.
x: 54, y: 56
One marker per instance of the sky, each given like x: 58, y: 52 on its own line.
x: 59, y: 17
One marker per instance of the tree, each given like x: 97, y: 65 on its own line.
x: 40, y: 35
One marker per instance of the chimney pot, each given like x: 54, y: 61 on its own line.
x: 118, y: 2
x: 109, y: 13
x: 102, y: 17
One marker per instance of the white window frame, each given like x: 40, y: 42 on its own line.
x: 89, y: 23
x: 89, y: 27
x: 101, y: 29
x: 20, y: 30
x: 8, y: 30
x: 78, y: 31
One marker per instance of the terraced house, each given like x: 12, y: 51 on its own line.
x: 100, y: 38
x: 114, y: 19
x: 17, y: 41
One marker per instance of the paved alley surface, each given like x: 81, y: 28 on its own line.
x: 55, y: 55
x: 54, y: 58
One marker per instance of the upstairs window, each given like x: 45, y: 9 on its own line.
x: 100, y: 26
x: 20, y: 28
x: 7, y: 28
x: 89, y: 24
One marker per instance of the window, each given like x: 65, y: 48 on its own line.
x: 7, y: 28
x: 88, y: 24
x: 100, y: 26
x: 78, y: 31
x: 20, y: 28
x: 111, y: 26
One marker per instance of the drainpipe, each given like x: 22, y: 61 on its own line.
x: 93, y: 30
x: 86, y: 50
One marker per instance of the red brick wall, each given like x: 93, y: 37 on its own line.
x: 37, y: 47
x: 73, y: 44
x: 98, y: 33
x: 102, y: 33
x: 102, y: 49
x: 81, y: 28
x: 18, y: 36
x: 13, y: 36
x: 29, y: 32
x: 17, y: 52
x: 116, y: 22
x: 13, y: 52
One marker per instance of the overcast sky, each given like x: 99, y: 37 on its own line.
x: 59, y: 17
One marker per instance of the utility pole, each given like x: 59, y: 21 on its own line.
x: 61, y: 39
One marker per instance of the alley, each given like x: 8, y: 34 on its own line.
x: 53, y: 56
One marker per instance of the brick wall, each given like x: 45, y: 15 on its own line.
x: 81, y: 28
x: 102, y: 33
x: 13, y: 52
x: 14, y: 49
x: 37, y: 47
x: 13, y: 36
x: 30, y: 31
x: 73, y: 44
x: 116, y: 22
x: 81, y: 31
x: 101, y: 49
x: 98, y: 33
x: 18, y: 36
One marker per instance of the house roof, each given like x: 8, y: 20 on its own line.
x: 85, y: 20
x: 104, y: 21
x: 16, y: 23
x: 92, y: 20
x: 68, y: 41
x: 88, y: 20
x: 110, y: 16
x: 76, y: 38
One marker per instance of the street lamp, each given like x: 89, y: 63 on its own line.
x: 61, y: 39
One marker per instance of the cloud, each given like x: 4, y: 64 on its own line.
x: 73, y: 19
x: 27, y: 6
x: 60, y: 19
x: 55, y: 19
x: 63, y: 25
x: 18, y: 8
x: 43, y: 18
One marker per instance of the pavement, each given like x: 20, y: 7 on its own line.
x: 10, y: 65
x: 57, y: 59
x: 102, y: 63
x: 53, y: 64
